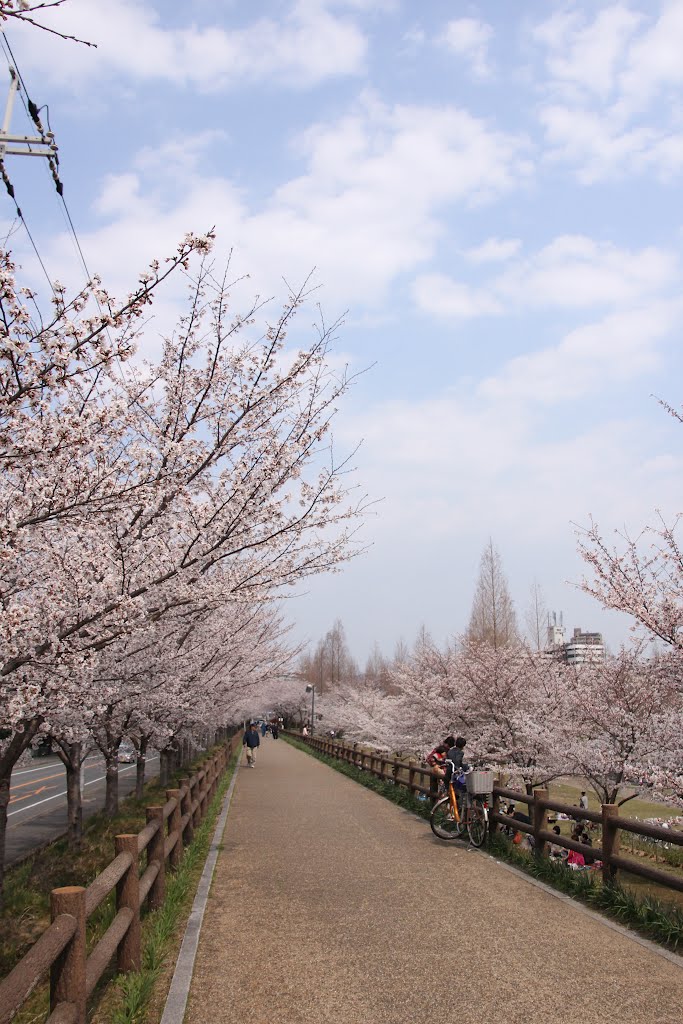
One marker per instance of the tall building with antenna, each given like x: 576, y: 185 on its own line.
x: 555, y: 631
x: 581, y: 649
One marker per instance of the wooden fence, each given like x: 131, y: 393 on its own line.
x: 413, y: 776
x: 62, y: 948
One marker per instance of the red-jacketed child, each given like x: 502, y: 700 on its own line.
x: 437, y: 757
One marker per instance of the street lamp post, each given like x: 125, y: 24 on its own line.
x: 311, y: 689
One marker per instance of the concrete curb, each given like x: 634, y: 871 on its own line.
x: 176, y: 1001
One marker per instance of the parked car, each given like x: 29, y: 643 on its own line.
x: 43, y: 748
x: 127, y: 752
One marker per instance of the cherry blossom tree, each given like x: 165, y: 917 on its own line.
x: 513, y: 709
x: 626, y: 718
x: 135, y: 491
x: 642, y: 576
x: 58, y: 425
x: 28, y: 11
x: 431, y: 696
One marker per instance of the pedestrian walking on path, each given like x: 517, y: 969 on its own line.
x: 250, y: 741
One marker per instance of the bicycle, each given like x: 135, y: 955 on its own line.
x: 448, y: 821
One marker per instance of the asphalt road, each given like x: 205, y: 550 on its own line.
x: 37, y: 808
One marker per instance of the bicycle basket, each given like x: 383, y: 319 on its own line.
x: 480, y: 783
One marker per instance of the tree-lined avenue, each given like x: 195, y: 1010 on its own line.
x: 37, y: 807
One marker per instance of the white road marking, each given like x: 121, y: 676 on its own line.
x: 27, y: 771
x: 29, y: 807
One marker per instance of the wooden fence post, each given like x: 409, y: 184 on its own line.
x: 210, y: 776
x: 128, y: 895
x: 174, y: 826
x: 156, y: 853
x: 495, y: 808
x: 186, y: 808
x: 204, y: 791
x: 610, y: 840
x: 433, y: 788
x: 67, y: 975
x: 197, y: 813
x: 539, y: 816
x: 411, y: 778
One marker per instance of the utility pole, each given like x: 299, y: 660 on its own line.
x: 321, y: 658
x: 43, y: 144
x: 311, y: 689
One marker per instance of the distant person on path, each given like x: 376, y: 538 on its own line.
x: 275, y: 728
x: 264, y: 730
x: 251, y: 741
x: 304, y: 731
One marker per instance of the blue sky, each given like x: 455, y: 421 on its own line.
x: 489, y: 191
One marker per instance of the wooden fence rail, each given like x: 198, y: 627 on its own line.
x: 403, y: 773
x: 62, y: 948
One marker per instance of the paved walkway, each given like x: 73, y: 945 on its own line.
x: 331, y: 904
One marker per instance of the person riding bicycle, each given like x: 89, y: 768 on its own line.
x: 455, y: 766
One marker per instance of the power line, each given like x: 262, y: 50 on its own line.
x: 33, y: 112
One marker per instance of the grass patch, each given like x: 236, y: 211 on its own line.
x: 568, y: 789
x: 648, y: 915
x: 128, y: 1000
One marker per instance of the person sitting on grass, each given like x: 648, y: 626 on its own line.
x: 575, y: 860
x: 557, y: 852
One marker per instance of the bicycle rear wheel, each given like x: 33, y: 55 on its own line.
x: 477, y: 824
x: 441, y: 821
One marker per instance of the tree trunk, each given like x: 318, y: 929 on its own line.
x: 140, y: 768
x: 111, y: 798
x: 4, y: 801
x: 163, y: 767
x: 71, y: 756
x: 16, y: 747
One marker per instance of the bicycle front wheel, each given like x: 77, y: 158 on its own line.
x: 442, y: 822
x: 477, y: 824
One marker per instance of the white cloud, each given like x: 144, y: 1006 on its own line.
x: 465, y: 467
x: 469, y: 38
x: 572, y: 272
x: 441, y: 296
x: 654, y: 60
x: 611, y: 99
x: 368, y: 207
x: 598, y: 144
x: 308, y: 45
x: 621, y: 346
x: 494, y: 250
x: 587, y: 56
